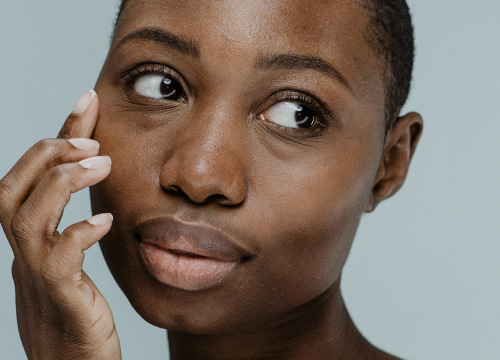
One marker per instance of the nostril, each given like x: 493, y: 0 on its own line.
x: 221, y: 199
x: 217, y: 197
x: 175, y: 189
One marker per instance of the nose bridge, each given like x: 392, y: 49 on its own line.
x: 207, y: 160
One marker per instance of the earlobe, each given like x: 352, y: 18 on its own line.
x: 401, y: 142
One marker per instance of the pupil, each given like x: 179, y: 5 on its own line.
x: 170, y: 89
x: 305, y: 118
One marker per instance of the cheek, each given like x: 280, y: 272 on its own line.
x: 137, y: 155
x: 307, y: 220
x: 300, y: 214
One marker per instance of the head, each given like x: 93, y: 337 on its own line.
x: 273, y: 123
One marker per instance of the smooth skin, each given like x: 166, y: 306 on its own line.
x: 292, y: 198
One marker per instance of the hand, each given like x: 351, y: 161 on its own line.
x: 60, y: 312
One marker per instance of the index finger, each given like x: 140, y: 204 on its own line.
x: 81, y: 122
x: 16, y: 186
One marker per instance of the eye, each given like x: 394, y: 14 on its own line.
x: 159, y: 87
x: 290, y: 114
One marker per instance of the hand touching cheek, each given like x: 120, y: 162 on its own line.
x: 61, y: 314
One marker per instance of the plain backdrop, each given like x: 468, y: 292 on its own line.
x: 423, y: 278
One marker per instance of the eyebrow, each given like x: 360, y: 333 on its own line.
x: 165, y: 38
x: 263, y: 62
x: 299, y: 62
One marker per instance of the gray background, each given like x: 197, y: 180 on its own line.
x: 423, y: 278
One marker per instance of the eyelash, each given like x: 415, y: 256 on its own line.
x: 322, y: 111
x: 130, y: 76
x: 141, y: 69
x: 324, y: 114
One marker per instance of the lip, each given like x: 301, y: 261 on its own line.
x: 188, y: 256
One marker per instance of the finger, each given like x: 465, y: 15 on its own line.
x: 86, y: 313
x: 34, y: 226
x: 81, y: 122
x: 16, y: 186
x: 62, y: 272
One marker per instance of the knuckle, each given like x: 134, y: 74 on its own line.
x: 74, y: 234
x: 20, y: 228
x: 6, y: 194
x: 66, y: 176
x: 47, y: 147
x: 75, y: 183
x: 60, y: 175
x: 50, y: 150
x: 49, y: 273
x: 54, y: 273
x: 63, y: 133
x: 66, y: 130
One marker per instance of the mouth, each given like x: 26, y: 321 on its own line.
x: 188, y: 256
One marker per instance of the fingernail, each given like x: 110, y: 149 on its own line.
x: 101, y: 219
x: 84, y: 102
x: 96, y: 162
x: 84, y: 144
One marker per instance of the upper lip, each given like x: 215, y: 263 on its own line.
x: 197, y: 238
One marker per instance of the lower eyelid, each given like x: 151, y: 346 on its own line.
x: 297, y: 133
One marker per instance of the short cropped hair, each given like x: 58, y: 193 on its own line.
x: 390, y: 34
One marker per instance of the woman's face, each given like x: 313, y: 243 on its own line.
x: 245, y: 139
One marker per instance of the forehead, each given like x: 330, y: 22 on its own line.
x: 238, y: 31
x: 250, y: 18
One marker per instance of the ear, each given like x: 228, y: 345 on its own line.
x: 400, y: 144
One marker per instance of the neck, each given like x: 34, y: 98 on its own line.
x: 319, y: 329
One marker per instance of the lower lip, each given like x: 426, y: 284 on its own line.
x: 183, y: 271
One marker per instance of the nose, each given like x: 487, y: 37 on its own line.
x: 206, y: 165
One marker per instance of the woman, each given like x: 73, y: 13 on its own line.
x: 247, y: 139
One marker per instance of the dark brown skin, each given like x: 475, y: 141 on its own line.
x: 291, y: 198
